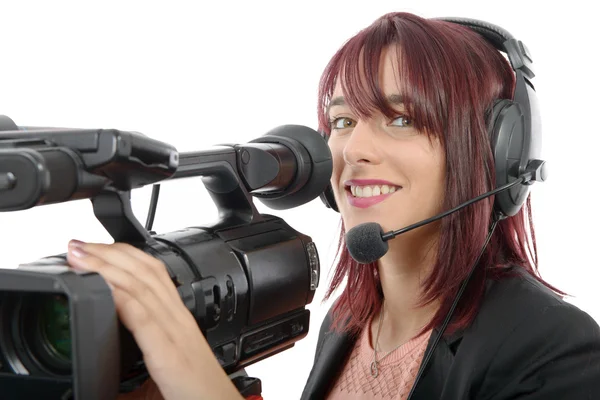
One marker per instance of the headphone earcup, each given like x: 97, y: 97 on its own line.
x: 328, y: 199
x: 507, y: 137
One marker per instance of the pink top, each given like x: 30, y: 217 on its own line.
x: 396, y: 376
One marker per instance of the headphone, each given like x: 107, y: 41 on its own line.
x: 514, y: 128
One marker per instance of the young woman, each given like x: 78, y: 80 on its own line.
x: 405, y: 106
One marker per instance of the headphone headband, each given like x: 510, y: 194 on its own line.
x: 518, y: 54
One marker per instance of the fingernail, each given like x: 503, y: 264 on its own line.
x: 77, y: 259
x: 74, y: 243
x: 77, y: 252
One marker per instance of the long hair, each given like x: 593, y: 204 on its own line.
x: 449, y: 80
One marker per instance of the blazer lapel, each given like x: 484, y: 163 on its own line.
x: 330, y: 356
x: 432, y: 382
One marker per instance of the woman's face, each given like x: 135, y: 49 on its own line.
x: 384, y: 170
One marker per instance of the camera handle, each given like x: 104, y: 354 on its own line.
x: 113, y: 207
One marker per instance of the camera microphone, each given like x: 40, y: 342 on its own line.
x: 367, y: 242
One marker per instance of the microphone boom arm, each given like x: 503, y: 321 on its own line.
x: 536, y: 171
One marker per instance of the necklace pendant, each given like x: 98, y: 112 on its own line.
x: 374, y: 369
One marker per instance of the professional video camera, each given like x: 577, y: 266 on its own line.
x: 246, y: 278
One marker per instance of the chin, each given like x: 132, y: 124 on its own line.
x: 353, y: 222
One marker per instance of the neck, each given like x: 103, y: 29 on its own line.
x: 402, y: 271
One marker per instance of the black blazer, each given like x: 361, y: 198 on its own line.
x: 525, y: 343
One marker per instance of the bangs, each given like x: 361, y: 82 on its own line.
x: 358, y: 67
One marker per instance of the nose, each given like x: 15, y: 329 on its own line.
x: 361, y: 147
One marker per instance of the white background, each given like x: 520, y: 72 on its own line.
x: 196, y: 75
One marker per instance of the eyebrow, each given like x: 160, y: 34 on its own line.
x: 394, y: 99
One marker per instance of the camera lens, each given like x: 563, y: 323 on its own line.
x: 45, y: 324
x: 35, y: 333
x: 54, y: 327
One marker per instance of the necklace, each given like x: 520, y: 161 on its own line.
x: 375, y: 362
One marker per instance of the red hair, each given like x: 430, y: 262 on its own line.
x: 449, y: 79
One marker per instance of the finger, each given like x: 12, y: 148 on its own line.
x: 154, y: 342
x: 117, y: 253
x: 155, y: 264
x: 167, y: 314
x: 162, y: 354
x: 114, y: 254
x: 123, y: 256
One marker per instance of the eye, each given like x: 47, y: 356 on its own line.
x: 402, y: 121
x: 342, y: 123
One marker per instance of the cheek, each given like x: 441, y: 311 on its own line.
x: 338, y: 168
x: 335, y: 179
x: 338, y: 165
x: 424, y: 171
x: 336, y: 174
x: 436, y: 183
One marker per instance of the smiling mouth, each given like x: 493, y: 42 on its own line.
x: 364, y: 191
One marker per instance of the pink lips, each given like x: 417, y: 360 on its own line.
x: 365, y: 202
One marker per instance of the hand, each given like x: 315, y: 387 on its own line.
x: 176, y: 354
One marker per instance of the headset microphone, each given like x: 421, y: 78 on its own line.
x: 367, y: 243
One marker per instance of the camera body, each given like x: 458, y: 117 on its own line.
x: 246, y: 277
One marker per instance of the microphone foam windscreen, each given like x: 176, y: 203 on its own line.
x: 365, y: 244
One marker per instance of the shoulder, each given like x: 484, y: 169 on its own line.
x: 521, y: 305
x: 529, y: 338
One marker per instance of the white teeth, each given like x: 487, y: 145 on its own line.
x: 372, y: 190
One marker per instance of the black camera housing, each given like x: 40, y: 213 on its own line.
x: 246, y: 278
